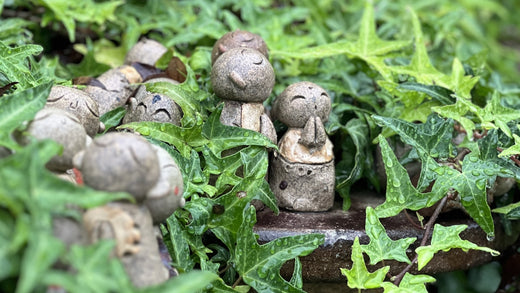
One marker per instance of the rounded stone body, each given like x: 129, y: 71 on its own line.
x: 302, y: 187
x: 170, y: 175
x: 113, y: 88
x: 238, y: 39
x: 120, y: 162
x: 148, y: 106
x: 136, y: 245
x: 302, y: 173
x: 78, y: 103
x: 242, y: 74
x: 145, y: 51
x: 62, y: 127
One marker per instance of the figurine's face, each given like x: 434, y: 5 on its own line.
x: 155, y: 107
x: 242, y: 74
x: 78, y: 103
x: 238, y: 39
x: 120, y: 162
x: 300, y: 101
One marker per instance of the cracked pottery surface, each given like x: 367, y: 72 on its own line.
x: 302, y: 172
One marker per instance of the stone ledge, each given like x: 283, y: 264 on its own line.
x: 340, y: 229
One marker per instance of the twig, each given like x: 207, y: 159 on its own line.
x: 224, y: 269
x: 426, y: 236
x: 411, y: 221
x: 237, y: 282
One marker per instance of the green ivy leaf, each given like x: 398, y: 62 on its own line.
x: 432, y: 140
x: 185, y: 283
x: 368, y: 47
x: 381, y: 247
x: 112, y: 118
x: 222, y: 137
x: 511, y: 211
x: 409, y: 284
x: 512, y: 150
x: 358, y: 276
x: 259, y: 265
x: 446, y: 238
x: 179, y: 248
x: 438, y: 93
x: 471, y: 184
x: 296, y: 279
x: 19, y: 107
x: 400, y: 193
x: 15, y: 64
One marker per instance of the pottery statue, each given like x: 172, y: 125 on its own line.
x: 301, y: 174
x: 62, y: 127
x: 243, y: 78
x: 128, y: 163
x: 148, y: 106
x: 238, y: 39
x: 146, y: 52
x: 78, y: 103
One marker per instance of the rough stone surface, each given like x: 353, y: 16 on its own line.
x: 145, y: 51
x: 113, y: 88
x: 62, y: 127
x: 242, y: 74
x: 120, y: 162
x: 148, y: 106
x: 136, y: 245
x: 302, y: 173
x: 170, y: 175
x: 340, y: 228
x: 300, y: 101
x: 78, y: 103
x: 302, y: 187
x: 238, y: 39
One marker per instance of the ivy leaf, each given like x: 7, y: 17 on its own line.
x: 432, y: 140
x: 358, y: 276
x: 112, y: 118
x: 400, y: 193
x: 381, y: 247
x: 20, y: 107
x: 471, y: 184
x: 14, y: 64
x: 438, y: 93
x: 296, y: 279
x: 178, y: 246
x: 368, y: 47
x: 193, y: 281
x: 222, y: 137
x: 358, y: 131
x: 511, y: 211
x: 184, y: 139
x: 446, y: 238
x: 500, y: 115
x: 259, y: 265
x: 409, y: 284
x: 512, y: 150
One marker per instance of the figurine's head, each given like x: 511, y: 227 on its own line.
x: 78, y: 103
x: 238, y: 39
x: 242, y: 74
x: 120, y: 162
x: 300, y: 101
x: 147, y: 106
x: 171, y: 177
x: 62, y: 127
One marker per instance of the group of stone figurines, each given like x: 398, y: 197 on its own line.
x: 301, y: 172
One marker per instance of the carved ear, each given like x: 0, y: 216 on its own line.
x: 237, y: 80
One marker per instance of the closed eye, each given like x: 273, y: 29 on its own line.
x: 162, y: 111
x: 297, y: 97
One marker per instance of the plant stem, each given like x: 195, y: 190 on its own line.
x: 426, y: 236
x: 237, y: 282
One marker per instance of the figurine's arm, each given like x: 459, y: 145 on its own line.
x: 267, y: 128
x: 313, y: 134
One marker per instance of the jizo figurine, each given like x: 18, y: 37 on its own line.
x: 243, y: 78
x: 148, y: 106
x: 238, y: 39
x: 302, y: 175
x: 128, y: 163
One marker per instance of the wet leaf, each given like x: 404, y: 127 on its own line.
x: 446, y: 238
x: 409, y: 284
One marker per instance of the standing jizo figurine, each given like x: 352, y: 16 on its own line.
x: 302, y: 172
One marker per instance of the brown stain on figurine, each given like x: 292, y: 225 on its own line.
x: 302, y: 173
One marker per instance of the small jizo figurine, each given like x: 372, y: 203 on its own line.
x: 238, y: 39
x: 302, y: 175
x: 127, y: 162
x: 244, y: 78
